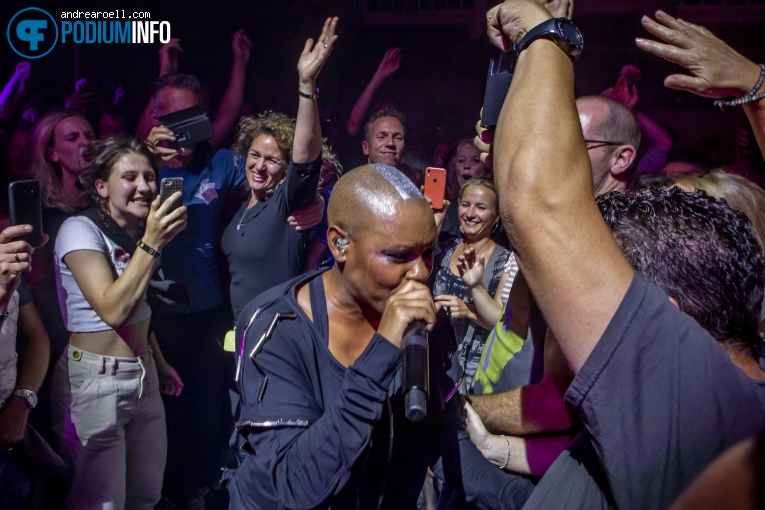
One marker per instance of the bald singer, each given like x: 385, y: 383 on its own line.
x: 322, y: 412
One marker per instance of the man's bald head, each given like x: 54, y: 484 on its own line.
x: 615, y: 127
x: 368, y: 194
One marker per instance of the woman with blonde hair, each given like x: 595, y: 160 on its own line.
x: 740, y: 193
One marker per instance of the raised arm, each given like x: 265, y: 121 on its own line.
x: 307, y: 144
x: 539, y: 141
x: 231, y: 104
x: 169, y: 62
x: 14, y: 90
x: 717, y: 70
x: 114, y: 299
x: 388, y: 66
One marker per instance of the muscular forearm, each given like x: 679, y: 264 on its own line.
x: 533, y: 409
x: 538, y: 141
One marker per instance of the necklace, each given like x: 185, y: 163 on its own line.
x: 241, y: 220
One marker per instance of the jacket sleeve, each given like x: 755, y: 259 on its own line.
x: 304, y: 460
x: 300, y: 184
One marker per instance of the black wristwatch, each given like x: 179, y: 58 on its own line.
x: 562, y: 31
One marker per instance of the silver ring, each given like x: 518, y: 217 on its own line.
x: 16, y: 256
x: 325, y: 45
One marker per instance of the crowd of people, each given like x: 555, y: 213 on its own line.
x: 594, y: 298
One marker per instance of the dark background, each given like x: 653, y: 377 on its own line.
x: 445, y: 56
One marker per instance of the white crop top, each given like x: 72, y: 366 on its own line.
x: 80, y: 233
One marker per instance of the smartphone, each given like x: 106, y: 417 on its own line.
x: 167, y: 187
x: 24, y: 201
x: 501, y: 69
x: 435, y: 186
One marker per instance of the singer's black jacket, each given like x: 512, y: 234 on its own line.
x: 328, y: 436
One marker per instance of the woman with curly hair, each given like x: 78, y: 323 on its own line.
x: 283, y: 163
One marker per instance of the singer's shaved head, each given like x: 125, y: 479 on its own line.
x: 369, y: 194
x: 381, y: 232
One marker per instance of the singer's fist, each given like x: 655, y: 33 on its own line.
x: 410, y: 302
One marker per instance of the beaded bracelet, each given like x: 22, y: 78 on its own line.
x: 750, y: 96
x: 148, y: 249
x: 507, y: 460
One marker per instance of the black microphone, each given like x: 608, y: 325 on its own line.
x: 416, y: 370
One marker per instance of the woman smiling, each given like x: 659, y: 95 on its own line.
x: 110, y: 416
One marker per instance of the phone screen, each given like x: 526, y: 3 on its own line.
x: 167, y: 187
x: 25, y: 209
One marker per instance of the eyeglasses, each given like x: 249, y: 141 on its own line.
x: 601, y: 143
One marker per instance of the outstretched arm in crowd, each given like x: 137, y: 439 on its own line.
x: 231, y: 104
x: 169, y: 55
x: 654, y: 140
x: 388, y: 66
x: 307, y: 144
x: 33, y: 345
x: 14, y: 90
x: 550, y: 227
x: 717, y: 70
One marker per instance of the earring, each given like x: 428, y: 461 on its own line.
x: 341, y: 243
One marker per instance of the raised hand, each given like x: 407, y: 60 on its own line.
x: 157, y: 135
x: 169, y: 57
x: 625, y: 91
x: 559, y: 8
x: 241, y: 47
x: 161, y: 226
x: 389, y: 63
x: 15, y: 259
x: 315, y: 55
x: 717, y: 70
x: 508, y: 22
x: 471, y: 268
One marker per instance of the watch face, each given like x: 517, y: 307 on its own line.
x: 570, y: 32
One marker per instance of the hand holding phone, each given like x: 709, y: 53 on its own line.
x: 26, y: 209
x: 167, y: 187
x: 435, y: 186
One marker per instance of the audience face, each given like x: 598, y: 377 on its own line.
x: 468, y: 164
x: 385, y: 144
x: 591, y: 116
x: 171, y: 100
x: 477, y: 211
x: 130, y: 187
x: 71, y: 137
x: 112, y: 126
x: 393, y: 250
x: 266, y: 164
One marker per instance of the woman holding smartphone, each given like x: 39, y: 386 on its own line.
x: 110, y: 416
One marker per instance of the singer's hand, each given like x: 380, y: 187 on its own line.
x: 410, y: 302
